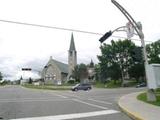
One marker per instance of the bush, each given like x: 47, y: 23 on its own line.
x: 71, y: 82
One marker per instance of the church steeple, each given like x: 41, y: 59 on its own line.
x: 72, y: 45
x: 72, y: 56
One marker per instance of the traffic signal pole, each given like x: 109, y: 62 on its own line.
x: 138, y: 28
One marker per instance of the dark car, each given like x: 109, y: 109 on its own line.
x: 141, y: 85
x: 82, y: 86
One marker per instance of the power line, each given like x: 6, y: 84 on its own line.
x: 60, y: 28
x: 52, y: 27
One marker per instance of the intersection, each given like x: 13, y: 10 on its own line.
x: 21, y: 103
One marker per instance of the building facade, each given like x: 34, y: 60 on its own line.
x: 56, y: 72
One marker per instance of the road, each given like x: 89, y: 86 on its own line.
x: 21, y: 103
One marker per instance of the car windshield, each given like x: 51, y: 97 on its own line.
x: 77, y: 85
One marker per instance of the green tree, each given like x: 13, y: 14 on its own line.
x: 116, y: 60
x: 137, y: 71
x: 80, y: 72
x: 97, y: 72
x: 1, y: 76
x: 30, y: 80
x: 104, y: 61
x: 122, y: 56
x: 76, y: 74
x: 116, y: 57
x: 153, y: 52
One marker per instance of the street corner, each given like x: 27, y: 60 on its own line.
x: 128, y: 107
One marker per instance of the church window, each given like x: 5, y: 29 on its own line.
x: 70, y: 53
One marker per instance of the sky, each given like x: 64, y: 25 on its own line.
x: 29, y: 46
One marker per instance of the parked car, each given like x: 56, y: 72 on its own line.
x: 141, y: 85
x: 82, y: 86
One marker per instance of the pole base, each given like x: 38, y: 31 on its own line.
x: 151, y: 95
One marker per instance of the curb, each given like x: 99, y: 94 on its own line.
x: 130, y: 113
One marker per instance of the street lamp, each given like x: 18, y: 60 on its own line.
x: 138, y: 28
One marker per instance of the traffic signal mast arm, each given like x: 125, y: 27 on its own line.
x: 109, y: 33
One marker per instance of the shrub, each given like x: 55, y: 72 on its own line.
x: 71, y: 82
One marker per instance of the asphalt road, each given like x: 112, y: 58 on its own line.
x: 17, y: 102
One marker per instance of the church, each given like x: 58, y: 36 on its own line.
x: 56, y: 72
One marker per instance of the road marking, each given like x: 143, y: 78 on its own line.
x: 30, y: 100
x: 99, y: 101
x: 62, y: 96
x: 97, y: 106
x: 72, y: 116
x: 72, y: 95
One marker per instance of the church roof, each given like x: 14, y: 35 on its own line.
x: 62, y: 66
x: 72, y: 45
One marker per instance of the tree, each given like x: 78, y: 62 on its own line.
x: 97, y: 72
x: 122, y: 56
x: 1, y: 76
x: 137, y: 71
x: 153, y: 51
x: 80, y: 72
x: 75, y: 73
x: 137, y: 54
x: 30, y: 80
x: 117, y: 61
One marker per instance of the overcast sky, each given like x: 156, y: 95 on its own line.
x: 28, y: 46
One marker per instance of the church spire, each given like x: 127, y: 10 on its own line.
x: 72, y: 45
x: 72, y: 57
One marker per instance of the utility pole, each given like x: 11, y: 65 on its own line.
x: 138, y: 28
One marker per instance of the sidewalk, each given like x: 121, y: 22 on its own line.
x: 138, y: 110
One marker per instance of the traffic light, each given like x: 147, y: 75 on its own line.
x: 137, y: 54
x: 105, y: 36
x: 26, y: 69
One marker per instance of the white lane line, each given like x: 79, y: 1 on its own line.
x: 99, y: 101
x: 62, y: 96
x: 72, y: 116
x: 73, y: 96
x: 32, y: 100
x: 97, y: 106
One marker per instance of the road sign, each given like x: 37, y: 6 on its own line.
x: 129, y: 30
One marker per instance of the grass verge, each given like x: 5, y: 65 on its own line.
x: 143, y: 97
x: 112, y: 84
x: 47, y: 87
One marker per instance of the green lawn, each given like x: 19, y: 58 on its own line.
x: 143, y: 98
x: 2, y: 84
x: 48, y: 87
x: 111, y: 84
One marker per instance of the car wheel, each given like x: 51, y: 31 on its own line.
x: 75, y: 89
x: 88, y: 88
